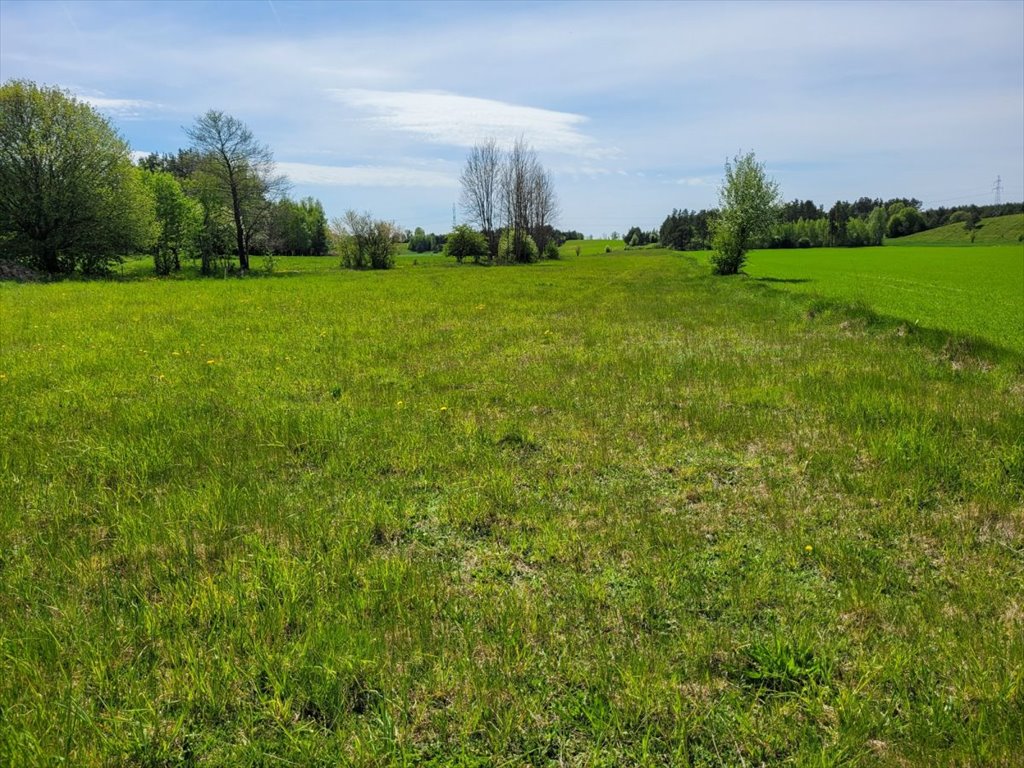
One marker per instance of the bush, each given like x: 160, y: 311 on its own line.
x: 803, y: 242
x: 729, y: 255
x: 506, y: 247
x: 364, y: 242
x: 551, y: 250
x: 465, y: 242
x: 607, y: 249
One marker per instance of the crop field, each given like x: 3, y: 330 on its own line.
x: 975, y: 291
x: 599, y: 511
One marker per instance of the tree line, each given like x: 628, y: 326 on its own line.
x: 71, y: 198
x: 805, y: 224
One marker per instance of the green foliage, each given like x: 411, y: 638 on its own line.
x: 364, y: 242
x: 465, y: 243
x: 906, y: 220
x: 551, y: 250
x: 298, y: 228
x: 179, y: 221
x: 748, y: 206
x: 782, y: 665
x: 516, y: 248
x: 72, y: 198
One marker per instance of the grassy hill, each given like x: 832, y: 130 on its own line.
x: 999, y: 230
x: 598, y: 511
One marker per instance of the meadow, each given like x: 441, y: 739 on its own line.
x: 608, y: 510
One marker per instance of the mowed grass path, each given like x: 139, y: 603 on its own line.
x: 974, y: 291
x: 605, y: 511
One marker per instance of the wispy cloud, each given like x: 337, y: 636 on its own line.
x: 364, y: 175
x: 462, y: 121
x: 126, y: 108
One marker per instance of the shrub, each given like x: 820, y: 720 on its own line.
x: 551, y: 250
x: 506, y: 249
x: 803, y: 242
x: 466, y: 242
x: 577, y: 249
x: 364, y: 242
x: 607, y: 249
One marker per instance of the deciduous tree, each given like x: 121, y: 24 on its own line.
x: 242, y: 170
x: 69, y: 194
x: 748, y: 202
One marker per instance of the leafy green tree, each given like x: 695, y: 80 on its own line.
x: 465, y: 242
x: 748, y: 203
x: 70, y: 197
x: 179, y: 222
x: 876, y: 224
x: 906, y: 220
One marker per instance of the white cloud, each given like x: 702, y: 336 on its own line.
x: 120, y: 107
x: 693, y: 181
x: 462, y: 121
x: 364, y: 175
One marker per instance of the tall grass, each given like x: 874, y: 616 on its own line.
x: 600, y: 511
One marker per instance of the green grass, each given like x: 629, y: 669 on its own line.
x: 600, y: 511
x: 998, y: 230
x: 590, y: 247
x: 972, y: 292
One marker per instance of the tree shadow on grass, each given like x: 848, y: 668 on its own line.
x: 783, y: 280
x: 956, y: 346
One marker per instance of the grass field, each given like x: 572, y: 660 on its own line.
x: 590, y: 247
x: 600, y: 511
x: 999, y: 230
x: 977, y: 291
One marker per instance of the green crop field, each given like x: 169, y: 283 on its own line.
x: 975, y: 291
x: 598, y: 511
x: 999, y: 230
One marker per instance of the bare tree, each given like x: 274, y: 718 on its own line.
x: 241, y: 169
x: 543, y: 207
x: 481, y: 181
x: 521, y: 166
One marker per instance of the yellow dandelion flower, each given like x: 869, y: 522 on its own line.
x: 210, y: 362
x: 444, y: 407
x: 808, y: 548
x: 400, y: 403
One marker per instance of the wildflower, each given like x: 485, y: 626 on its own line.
x: 808, y: 548
x: 400, y: 403
x: 210, y: 362
x: 176, y: 353
x: 444, y: 407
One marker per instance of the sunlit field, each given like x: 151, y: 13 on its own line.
x: 975, y: 291
x: 606, y: 510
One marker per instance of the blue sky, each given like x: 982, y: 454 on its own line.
x: 633, y: 107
